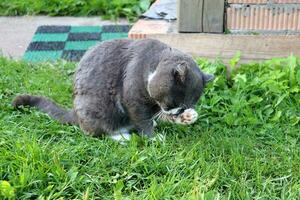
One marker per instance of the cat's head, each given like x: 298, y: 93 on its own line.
x: 177, y: 83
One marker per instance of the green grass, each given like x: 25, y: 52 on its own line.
x: 107, y: 8
x: 244, y: 146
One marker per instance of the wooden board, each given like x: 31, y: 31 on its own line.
x: 190, y: 15
x: 224, y: 46
x: 252, y: 47
x: 213, y: 16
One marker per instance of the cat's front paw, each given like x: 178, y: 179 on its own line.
x: 189, y: 116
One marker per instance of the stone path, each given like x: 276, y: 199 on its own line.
x: 16, y: 32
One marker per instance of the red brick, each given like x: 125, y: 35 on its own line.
x: 263, y: 18
x: 262, y: 1
x: 144, y: 27
x: 248, y: 1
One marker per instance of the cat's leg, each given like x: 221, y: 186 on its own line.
x: 158, y: 137
x: 141, y: 117
x: 95, y: 118
x: 147, y: 129
x: 189, y: 116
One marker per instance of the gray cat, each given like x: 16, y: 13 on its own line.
x: 125, y: 84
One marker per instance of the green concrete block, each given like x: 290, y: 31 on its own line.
x: 110, y: 36
x: 86, y: 29
x: 80, y: 45
x: 36, y: 56
x: 50, y: 37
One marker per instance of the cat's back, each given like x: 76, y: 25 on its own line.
x: 102, y: 64
x: 119, y: 51
x: 107, y: 52
x: 107, y: 61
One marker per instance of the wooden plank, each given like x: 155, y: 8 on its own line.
x: 214, y: 46
x: 213, y: 16
x: 224, y: 46
x: 190, y: 15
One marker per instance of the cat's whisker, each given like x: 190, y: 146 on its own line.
x: 160, y: 115
x: 155, y: 116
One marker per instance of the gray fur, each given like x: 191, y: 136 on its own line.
x: 63, y: 115
x: 111, y: 89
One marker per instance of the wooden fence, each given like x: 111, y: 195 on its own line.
x: 201, y: 16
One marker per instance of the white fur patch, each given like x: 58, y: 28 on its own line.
x: 121, y: 135
x: 150, y: 77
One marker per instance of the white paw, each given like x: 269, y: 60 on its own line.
x: 121, y: 136
x: 189, y: 116
x: 159, y: 137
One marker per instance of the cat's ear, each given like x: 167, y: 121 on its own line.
x: 179, y: 73
x: 208, y: 77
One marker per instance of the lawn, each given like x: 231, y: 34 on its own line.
x: 245, y: 144
x: 106, y: 8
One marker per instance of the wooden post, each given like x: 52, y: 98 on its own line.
x: 213, y: 16
x: 201, y: 16
x: 190, y: 15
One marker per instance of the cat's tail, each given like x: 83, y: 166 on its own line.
x: 47, y: 106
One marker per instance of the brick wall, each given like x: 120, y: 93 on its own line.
x: 263, y: 15
x: 263, y: 1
